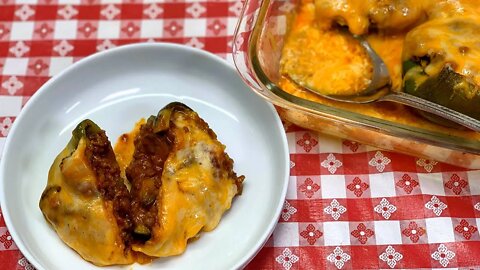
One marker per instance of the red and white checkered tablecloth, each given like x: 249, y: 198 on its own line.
x: 348, y: 205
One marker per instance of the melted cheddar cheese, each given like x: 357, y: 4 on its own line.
x: 319, y: 47
x: 320, y: 57
x: 454, y: 41
x: 194, y: 194
x: 93, y: 211
x: 315, y: 53
x: 195, y: 191
x: 387, y: 15
x: 73, y: 204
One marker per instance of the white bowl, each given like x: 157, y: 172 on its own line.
x: 116, y: 88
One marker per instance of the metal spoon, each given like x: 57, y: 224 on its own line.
x: 380, y: 89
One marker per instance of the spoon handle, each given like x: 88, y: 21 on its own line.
x: 433, y: 108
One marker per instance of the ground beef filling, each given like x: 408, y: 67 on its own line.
x: 145, y: 174
x: 102, y: 160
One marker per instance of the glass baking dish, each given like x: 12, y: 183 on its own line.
x: 257, y: 49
